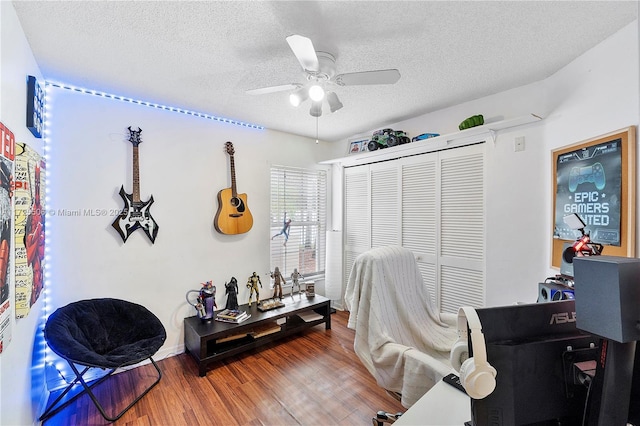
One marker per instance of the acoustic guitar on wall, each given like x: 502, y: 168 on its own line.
x: 233, y: 215
x: 136, y: 214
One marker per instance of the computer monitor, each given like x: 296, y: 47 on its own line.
x: 533, y: 348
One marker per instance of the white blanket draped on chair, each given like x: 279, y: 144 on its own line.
x: 400, y: 338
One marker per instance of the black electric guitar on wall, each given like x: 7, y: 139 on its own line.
x: 135, y: 214
x: 233, y: 216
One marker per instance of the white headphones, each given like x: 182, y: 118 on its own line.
x: 476, y: 374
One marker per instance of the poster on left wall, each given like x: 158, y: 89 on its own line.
x: 29, y: 227
x: 7, y: 144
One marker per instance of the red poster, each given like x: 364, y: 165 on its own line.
x: 29, y: 227
x: 6, y: 229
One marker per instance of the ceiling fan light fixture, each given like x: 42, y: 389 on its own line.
x: 334, y: 102
x: 298, y: 97
x: 316, y: 93
x: 316, y: 109
x: 319, y: 68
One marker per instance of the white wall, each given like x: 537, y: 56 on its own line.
x: 595, y: 94
x: 183, y: 164
x: 21, y: 374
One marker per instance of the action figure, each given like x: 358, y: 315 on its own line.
x: 206, y: 301
x: 252, y: 285
x: 277, y: 285
x: 232, y: 294
x: 286, y: 223
x: 295, y: 276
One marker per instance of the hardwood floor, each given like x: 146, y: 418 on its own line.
x: 313, y: 378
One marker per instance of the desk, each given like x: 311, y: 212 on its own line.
x: 443, y: 405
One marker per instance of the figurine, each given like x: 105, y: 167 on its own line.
x: 232, y: 294
x: 205, y: 303
x: 252, y: 284
x: 295, y: 276
x: 277, y: 285
x: 286, y: 223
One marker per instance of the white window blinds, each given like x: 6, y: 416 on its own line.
x: 298, y: 220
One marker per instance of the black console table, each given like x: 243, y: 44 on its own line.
x: 214, y: 340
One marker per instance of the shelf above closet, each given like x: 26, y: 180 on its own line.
x: 488, y: 131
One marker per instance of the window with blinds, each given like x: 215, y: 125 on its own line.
x: 298, y: 220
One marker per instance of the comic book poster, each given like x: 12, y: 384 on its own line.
x: 7, y: 143
x: 29, y: 227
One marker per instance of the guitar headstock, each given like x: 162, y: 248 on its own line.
x: 134, y: 136
x: 228, y: 147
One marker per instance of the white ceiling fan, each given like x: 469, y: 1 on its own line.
x: 320, y: 71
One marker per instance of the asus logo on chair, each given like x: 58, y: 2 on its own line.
x: 563, y: 318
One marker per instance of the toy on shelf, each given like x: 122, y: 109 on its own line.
x: 295, y: 280
x: 232, y: 294
x: 286, y: 224
x: 278, y: 280
x: 267, y: 305
x: 473, y: 121
x: 424, y: 136
x: 205, y: 302
x: 310, y: 289
x: 252, y: 285
x: 386, y: 138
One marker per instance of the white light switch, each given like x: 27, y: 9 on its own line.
x: 519, y: 144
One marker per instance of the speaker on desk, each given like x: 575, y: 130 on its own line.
x: 608, y: 296
x: 550, y: 292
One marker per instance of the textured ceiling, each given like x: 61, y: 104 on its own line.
x: 203, y: 55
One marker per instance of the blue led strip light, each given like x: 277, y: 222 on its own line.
x: 55, y: 369
x: 154, y: 105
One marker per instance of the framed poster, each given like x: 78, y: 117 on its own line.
x: 358, y: 145
x: 7, y: 155
x: 596, y: 179
x: 29, y: 227
x: 35, y: 106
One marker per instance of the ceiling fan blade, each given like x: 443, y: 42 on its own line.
x: 303, y: 48
x: 368, y: 77
x: 272, y: 89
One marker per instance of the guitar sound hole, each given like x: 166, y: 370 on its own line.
x: 237, y: 204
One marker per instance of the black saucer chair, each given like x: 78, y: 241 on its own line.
x: 106, y: 334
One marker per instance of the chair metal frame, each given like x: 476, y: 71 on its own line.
x: 54, y: 408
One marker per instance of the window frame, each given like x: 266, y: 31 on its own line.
x: 308, y: 213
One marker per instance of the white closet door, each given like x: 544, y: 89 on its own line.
x: 462, y: 230
x: 386, y: 202
x: 357, y: 211
x: 431, y: 204
x: 420, y: 214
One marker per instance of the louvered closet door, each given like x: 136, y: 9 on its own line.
x: 420, y: 213
x: 431, y: 204
x: 386, y: 204
x: 462, y: 228
x: 357, y: 211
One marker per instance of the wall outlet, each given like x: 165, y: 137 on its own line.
x: 518, y: 145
